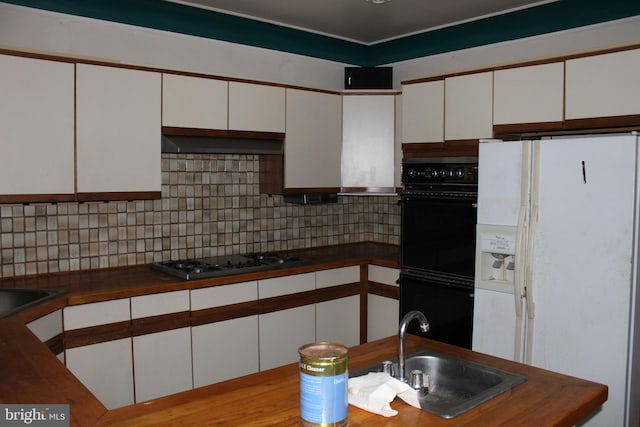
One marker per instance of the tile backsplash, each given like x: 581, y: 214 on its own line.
x: 210, y: 205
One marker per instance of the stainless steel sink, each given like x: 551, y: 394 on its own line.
x: 14, y: 300
x: 455, y: 385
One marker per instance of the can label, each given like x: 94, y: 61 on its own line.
x: 323, y: 385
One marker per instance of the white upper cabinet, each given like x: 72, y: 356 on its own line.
x: 603, y: 85
x: 368, y: 141
x: 194, y: 102
x: 423, y: 112
x: 255, y: 107
x: 469, y: 106
x: 313, y: 139
x: 118, y: 129
x: 530, y: 94
x: 36, y: 126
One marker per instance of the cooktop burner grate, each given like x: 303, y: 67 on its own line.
x: 225, y: 265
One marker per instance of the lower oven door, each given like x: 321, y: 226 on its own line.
x: 448, y: 307
x: 438, y: 233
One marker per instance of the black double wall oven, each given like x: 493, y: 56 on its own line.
x: 437, y: 245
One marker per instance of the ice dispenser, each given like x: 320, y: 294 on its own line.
x: 495, y: 257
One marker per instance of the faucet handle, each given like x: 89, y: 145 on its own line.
x: 419, y: 381
x: 387, y: 367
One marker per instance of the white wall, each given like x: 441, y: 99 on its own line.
x: 595, y: 37
x: 32, y: 29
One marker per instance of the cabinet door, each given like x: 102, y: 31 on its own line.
x: 162, y: 360
x: 36, y: 127
x: 469, y: 106
x: 423, y: 112
x: 338, y: 320
x: 382, y: 319
x: 382, y: 312
x: 603, y: 85
x: 254, y: 107
x: 283, y: 332
x: 529, y: 94
x: 194, y: 102
x: 118, y: 130
x: 106, y: 369
x: 226, y: 349
x: 313, y: 141
x: 368, y: 141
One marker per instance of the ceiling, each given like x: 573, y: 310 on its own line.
x: 365, y: 21
x: 353, y: 32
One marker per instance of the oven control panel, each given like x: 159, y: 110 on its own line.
x: 440, y: 172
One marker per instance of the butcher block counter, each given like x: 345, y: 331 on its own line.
x: 271, y: 398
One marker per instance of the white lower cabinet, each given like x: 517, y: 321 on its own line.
x: 382, y: 318
x: 106, y: 370
x: 283, y: 332
x: 224, y: 350
x: 162, y: 360
x: 229, y: 348
x: 382, y: 312
x: 162, y: 363
x: 339, y: 321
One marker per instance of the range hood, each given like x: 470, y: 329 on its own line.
x: 225, y: 142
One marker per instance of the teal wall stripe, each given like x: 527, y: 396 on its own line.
x: 543, y: 19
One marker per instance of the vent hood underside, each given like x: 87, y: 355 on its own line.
x: 221, y: 142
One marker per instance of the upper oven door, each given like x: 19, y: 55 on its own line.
x: 438, y: 234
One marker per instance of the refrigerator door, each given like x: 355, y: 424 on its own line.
x: 582, y: 262
x: 502, y: 202
x: 499, y: 182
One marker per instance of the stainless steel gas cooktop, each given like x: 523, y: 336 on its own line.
x: 201, y: 268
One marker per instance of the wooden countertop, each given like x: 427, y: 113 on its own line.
x: 107, y: 284
x: 32, y: 374
x: 271, y: 398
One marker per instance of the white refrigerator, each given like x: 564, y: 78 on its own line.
x: 557, y: 261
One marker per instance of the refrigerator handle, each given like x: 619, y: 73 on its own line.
x: 533, y: 221
x: 518, y: 286
x: 521, y: 252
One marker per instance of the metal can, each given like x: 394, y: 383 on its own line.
x: 323, y: 385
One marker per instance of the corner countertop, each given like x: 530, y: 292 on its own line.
x: 271, y: 398
x: 32, y: 374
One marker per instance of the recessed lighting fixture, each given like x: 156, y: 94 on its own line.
x: 377, y: 1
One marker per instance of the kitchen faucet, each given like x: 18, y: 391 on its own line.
x: 404, y: 323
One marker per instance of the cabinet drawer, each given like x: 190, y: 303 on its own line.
x: 337, y: 276
x: 158, y: 304
x: 384, y: 275
x: 98, y: 313
x: 286, y: 285
x: 223, y: 295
